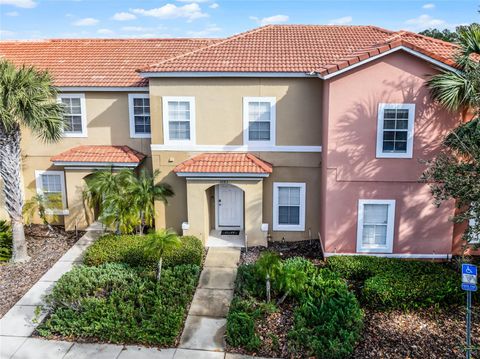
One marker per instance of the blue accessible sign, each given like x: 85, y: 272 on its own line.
x: 469, y: 277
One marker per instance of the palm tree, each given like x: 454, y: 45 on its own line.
x: 27, y: 99
x: 144, y: 193
x: 460, y: 90
x: 40, y: 204
x: 160, y: 242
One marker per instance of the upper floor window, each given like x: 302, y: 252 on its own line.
x: 51, y: 184
x: 74, y: 115
x: 259, y: 120
x: 375, y: 225
x: 139, y: 112
x: 288, y: 206
x: 395, y: 130
x: 179, y: 120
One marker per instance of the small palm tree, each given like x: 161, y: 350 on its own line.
x: 160, y: 242
x: 145, y: 192
x: 460, y: 90
x: 269, y: 266
x: 27, y: 99
x: 40, y: 204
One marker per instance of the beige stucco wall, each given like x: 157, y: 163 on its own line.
x: 287, y: 167
x: 219, y: 108
x: 107, y: 124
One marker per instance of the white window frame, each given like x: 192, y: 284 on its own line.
x: 410, y: 131
x: 388, y: 248
x: 131, y: 115
x: 471, y: 223
x: 166, y: 131
x: 39, y: 187
x: 83, y: 108
x: 289, y: 227
x: 246, y: 122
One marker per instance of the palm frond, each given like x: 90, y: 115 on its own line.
x: 453, y: 90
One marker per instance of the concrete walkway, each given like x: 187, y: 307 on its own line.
x: 206, y: 321
x: 202, y: 337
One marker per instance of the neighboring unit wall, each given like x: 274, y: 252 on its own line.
x: 219, y: 122
x: 107, y: 115
x: 352, y: 172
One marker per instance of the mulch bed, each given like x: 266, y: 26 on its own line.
x: 426, y: 333
x: 45, y: 249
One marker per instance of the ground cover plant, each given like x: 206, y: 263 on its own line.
x: 117, y: 296
x: 310, y: 311
x: 5, y: 241
x: 120, y: 304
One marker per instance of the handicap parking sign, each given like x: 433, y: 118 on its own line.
x: 469, y: 277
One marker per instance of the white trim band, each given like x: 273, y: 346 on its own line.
x: 96, y: 164
x: 101, y: 89
x: 221, y: 175
x: 393, y: 255
x: 225, y: 74
x: 233, y: 148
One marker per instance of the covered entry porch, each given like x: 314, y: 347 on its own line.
x: 225, y: 199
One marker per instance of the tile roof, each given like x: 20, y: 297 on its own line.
x: 301, y: 48
x: 96, y: 62
x: 224, y: 163
x: 100, y: 154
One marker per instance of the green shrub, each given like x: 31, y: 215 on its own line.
x: 328, y: 320
x: 391, y: 283
x: 131, y: 250
x: 119, y: 304
x: 409, y: 290
x: 249, y: 282
x: 241, y: 325
x: 5, y: 241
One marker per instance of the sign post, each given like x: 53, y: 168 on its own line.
x: 469, y: 284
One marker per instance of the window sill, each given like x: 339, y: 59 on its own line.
x: 285, y: 228
x: 74, y: 135
x: 374, y: 250
x: 57, y: 212
x: 394, y: 155
x: 141, y: 135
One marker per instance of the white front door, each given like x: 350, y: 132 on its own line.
x: 229, y: 206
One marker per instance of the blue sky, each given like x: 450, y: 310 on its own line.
x: 34, y: 19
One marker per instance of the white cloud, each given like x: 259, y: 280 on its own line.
x: 194, y: 1
x: 5, y: 34
x: 123, y: 16
x: 275, y: 19
x: 27, y: 4
x: 428, y: 6
x: 12, y: 13
x: 424, y: 22
x: 209, y: 30
x: 170, y: 11
x: 341, y: 21
x: 214, y: 6
x: 105, y: 32
x: 136, y: 28
x: 88, y: 21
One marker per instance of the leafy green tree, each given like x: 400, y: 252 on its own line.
x: 126, y: 201
x: 455, y: 172
x: 445, y: 34
x: 269, y: 266
x: 145, y: 191
x: 27, y: 99
x: 158, y: 243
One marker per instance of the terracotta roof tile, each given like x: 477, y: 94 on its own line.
x: 301, y: 48
x: 224, y: 163
x: 96, y: 62
x: 100, y: 154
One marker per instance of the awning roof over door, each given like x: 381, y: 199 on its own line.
x: 99, y: 156
x: 224, y: 164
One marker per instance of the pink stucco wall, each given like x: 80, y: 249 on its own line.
x: 351, y: 170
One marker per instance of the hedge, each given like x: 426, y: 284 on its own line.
x: 130, y: 249
x: 392, y: 283
x: 119, y: 304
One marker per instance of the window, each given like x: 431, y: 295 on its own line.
x: 139, y: 112
x: 375, y: 225
x: 179, y: 120
x: 288, y: 206
x: 259, y: 120
x: 395, y: 130
x: 51, y: 184
x: 74, y: 115
x: 476, y: 238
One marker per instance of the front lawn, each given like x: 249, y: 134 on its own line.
x: 116, y: 297
x: 410, y: 309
